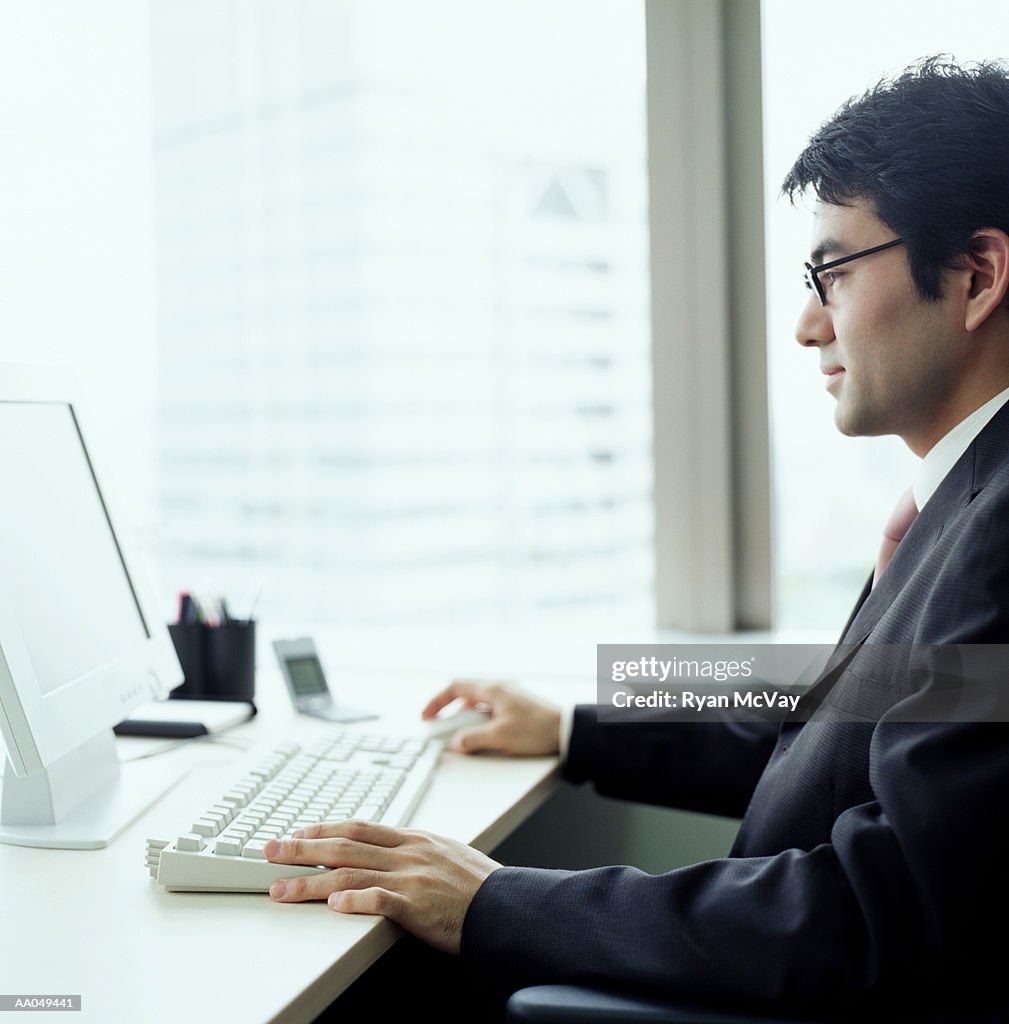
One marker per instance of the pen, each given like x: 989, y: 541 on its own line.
x: 189, y: 612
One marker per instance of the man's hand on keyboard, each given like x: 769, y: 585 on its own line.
x: 423, y: 882
x: 520, y: 723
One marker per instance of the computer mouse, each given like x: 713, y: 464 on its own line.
x: 445, y: 725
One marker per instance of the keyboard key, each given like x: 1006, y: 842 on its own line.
x: 220, y: 820
x: 190, y: 842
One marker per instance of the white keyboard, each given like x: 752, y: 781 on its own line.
x: 347, y: 774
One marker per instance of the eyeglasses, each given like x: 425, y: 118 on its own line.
x: 811, y: 273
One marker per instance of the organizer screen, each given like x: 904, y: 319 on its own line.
x: 306, y: 676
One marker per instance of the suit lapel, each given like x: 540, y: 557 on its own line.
x: 961, y: 485
x: 951, y: 497
x: 866, y: 591
x: 988, y: 452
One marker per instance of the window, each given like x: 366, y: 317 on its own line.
x: 402, y: 273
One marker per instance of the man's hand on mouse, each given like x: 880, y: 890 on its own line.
x: 519, y: 724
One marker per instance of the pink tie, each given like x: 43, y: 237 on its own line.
x: 897, y: 525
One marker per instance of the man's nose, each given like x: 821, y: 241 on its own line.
x: 815, y: 326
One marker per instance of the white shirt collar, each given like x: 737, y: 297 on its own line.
x: 945, y: 453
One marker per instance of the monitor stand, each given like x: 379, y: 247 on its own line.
x: 84, y: 799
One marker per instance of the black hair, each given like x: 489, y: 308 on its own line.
x: 929, y: 148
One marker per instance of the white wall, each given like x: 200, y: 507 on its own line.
x: 76, y: 216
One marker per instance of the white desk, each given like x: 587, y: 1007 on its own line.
x: 94, y: 923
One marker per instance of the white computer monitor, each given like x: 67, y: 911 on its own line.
x: 80, y: 646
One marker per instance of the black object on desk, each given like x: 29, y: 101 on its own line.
x: 218, y: 661
x: 185, y: 719
x: 164, y: 730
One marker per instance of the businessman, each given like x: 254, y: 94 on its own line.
x: 869, y: 869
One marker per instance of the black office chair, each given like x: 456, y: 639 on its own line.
x: 572, y: 1004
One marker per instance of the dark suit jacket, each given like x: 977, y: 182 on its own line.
x: 870, y: 867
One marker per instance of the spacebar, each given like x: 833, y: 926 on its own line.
x: 180, y: 871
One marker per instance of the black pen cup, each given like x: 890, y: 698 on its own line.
x: 190, y: 640
x: 231, y: 661
x: 219, y: 662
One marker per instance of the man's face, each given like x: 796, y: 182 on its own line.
x: 891, y: 359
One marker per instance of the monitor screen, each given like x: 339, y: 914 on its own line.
x: 79, y: 645
x: 59, y: 560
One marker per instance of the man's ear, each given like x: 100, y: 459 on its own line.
x: 987, y: 260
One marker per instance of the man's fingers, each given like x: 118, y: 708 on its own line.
x: 437, y: 702
x: 334, y: 852
x: 374, y: 900
x: 319, y: 887
x: 470, y: 691
x: 480, y: 737
x: 355, y: 829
